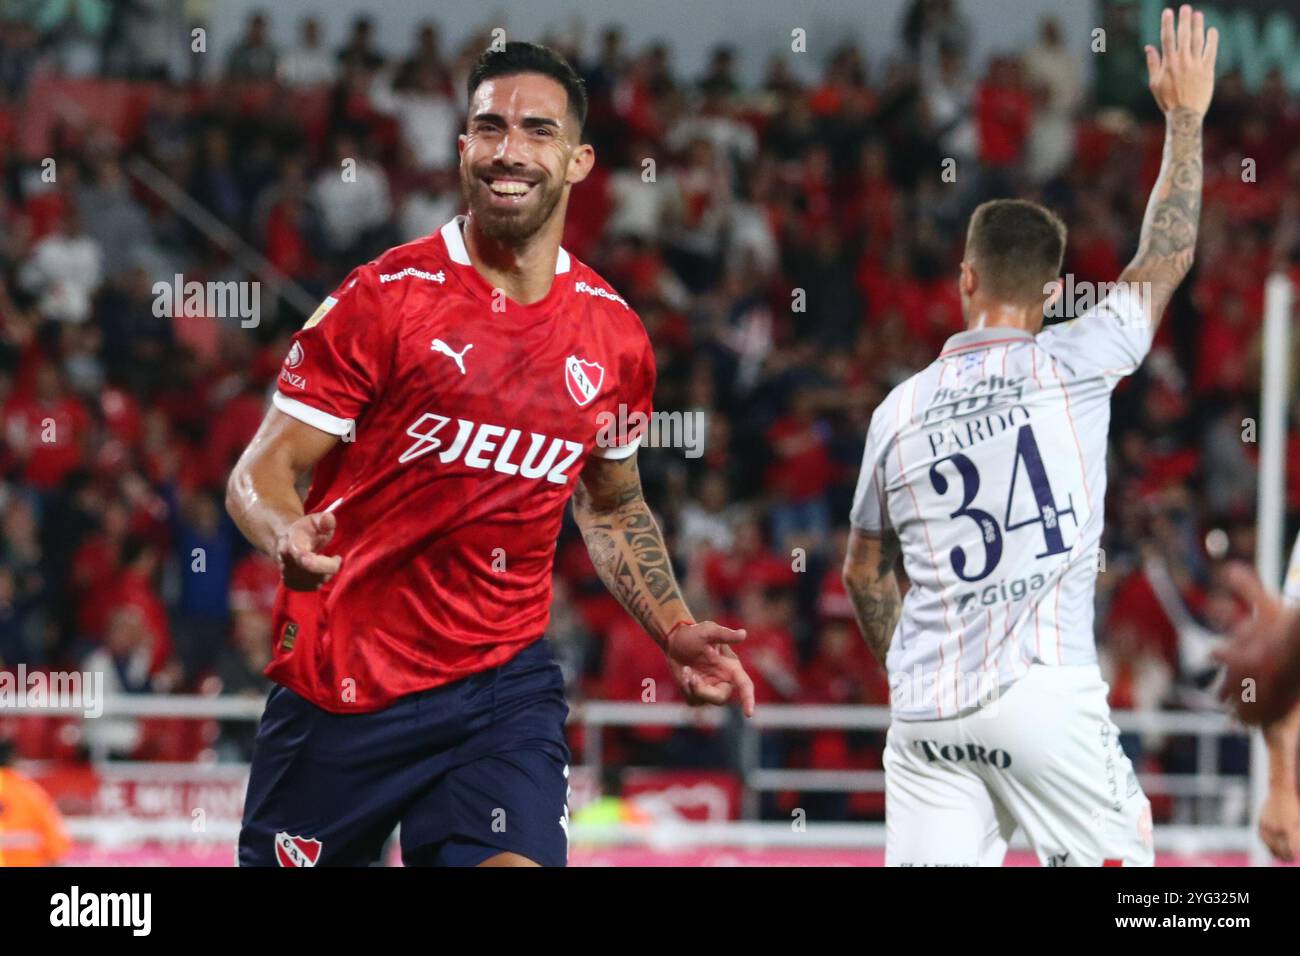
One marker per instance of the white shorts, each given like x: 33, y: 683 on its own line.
x: 1044, y: 757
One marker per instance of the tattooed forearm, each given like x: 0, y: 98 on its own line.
x: 627, y: 547
x: 1173, y: 214
x: 873, y: 589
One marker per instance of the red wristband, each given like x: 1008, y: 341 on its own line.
x: 668, y: 635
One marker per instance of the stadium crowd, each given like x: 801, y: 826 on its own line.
x: 791, y: 247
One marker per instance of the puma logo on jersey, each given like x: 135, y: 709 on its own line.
x: 458, y: 357
x: 492, y: 447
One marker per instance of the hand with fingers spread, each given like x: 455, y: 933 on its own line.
x: 1263, y: 654
x: 1181, y: 73
x: 705, y: 667
x: 297, y: 549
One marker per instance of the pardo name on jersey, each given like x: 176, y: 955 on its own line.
x: 964, y: 417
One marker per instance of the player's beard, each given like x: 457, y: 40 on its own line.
x: 509, y: 226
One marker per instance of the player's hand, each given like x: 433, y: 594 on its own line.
x: 706, y: 668
x: 1255, y: 652
x: 1279, y: 823
x: 297, y: 550
x: 1181, y: 74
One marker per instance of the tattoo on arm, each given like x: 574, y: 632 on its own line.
x: 1169, y: 229
x: 876, y: 600
x: 626, y: 545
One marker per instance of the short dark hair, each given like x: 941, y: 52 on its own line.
x: 1018, y: 246
x: 520, y: 57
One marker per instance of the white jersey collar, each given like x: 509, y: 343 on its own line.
x: 454, y: 236
x: 983, y: 338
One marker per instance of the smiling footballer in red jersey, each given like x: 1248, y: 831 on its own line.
x: 448, y: 399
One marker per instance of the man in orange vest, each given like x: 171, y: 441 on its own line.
x: 31, y: 829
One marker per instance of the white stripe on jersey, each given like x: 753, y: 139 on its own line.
x: 994, y: 483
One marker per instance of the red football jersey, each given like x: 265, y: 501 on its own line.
x: 466, y: 420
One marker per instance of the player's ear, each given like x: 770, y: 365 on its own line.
x: 461, y: 141
x: 581, y: 163
x: 969, y: 281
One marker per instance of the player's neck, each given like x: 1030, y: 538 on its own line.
x: 523, y: 272
x: 1003, y: 315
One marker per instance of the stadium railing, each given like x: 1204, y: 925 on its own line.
x: 1215, y: 795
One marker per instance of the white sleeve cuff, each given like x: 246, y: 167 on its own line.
x: 314, y: 417
x: 619, y: 453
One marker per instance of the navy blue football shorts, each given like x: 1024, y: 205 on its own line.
x: 468, y: 770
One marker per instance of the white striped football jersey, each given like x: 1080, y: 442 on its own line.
x: 990, y: 466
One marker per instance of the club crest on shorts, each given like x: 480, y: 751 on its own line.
x: 583, y: 379
x: 296, y: 851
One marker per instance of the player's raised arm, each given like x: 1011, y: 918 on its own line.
x: 1181, y: 77
x: 630, y: 555
x: 262, y: 498
x: 872, y: 585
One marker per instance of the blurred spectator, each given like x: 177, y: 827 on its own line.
x: 308, y: 64
x: 353, y: 199
x: 358, y: 53
x: 116, y: 222
x: 929, y: 24
x: 705, y: 522
x: 125, y: 661
x: 18, y: 56
x: 1055, y: 78
x: 253, y: 57
x: 949, y: 95
x: 428, y: 117
x: 768, y: 651
x: 65, y: 269
x: 205, y: 545
x: 434, y: 201
x: 800, y: 474
x: 238, y: 671
x: 46, y: 430
x: 1002, y: 114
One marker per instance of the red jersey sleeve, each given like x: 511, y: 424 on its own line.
x: 636, y: 394
x: 339, y: 360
